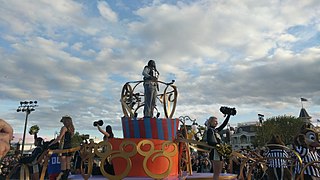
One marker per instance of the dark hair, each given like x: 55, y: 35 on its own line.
x: 109, y: 131
x: 39, y: 141
x: 151, y: 63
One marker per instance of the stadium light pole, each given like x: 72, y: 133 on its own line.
x: 27, y: 107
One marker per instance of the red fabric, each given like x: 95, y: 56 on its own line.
x: 154, y: 128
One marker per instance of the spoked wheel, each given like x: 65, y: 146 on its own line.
x: 169, y: 100
x: 126, y: 100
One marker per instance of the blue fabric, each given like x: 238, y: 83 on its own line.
x: 54, y: 164
x: 147, y: 128
x: 160, y: 130
x: 126, y: 122
x: 136, y: 128
x: 169, y: 128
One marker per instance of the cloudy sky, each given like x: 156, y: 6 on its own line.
x: 74, y: 57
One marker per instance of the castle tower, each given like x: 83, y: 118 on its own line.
x: 303, y: 112
x: 304, y: 115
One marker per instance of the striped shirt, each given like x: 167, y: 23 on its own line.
x: 276, y: 158
x: 308, y: 156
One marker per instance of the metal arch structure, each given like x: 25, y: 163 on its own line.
x: 132, y: 98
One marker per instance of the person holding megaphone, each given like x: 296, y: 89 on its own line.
x: 107, y: 133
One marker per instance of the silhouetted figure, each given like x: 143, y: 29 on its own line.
x: 150, y: 77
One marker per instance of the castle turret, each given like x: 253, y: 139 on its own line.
x: 304, y: 115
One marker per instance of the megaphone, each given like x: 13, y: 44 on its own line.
x: 98, y: 123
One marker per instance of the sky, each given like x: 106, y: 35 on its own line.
x: 74, y: 56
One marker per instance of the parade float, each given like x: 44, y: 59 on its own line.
x: 158, y: 147
x: 148, y: 149
x: 151, y: 147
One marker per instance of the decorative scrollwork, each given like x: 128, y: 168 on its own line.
x: 109, y: 153
x: 169, y: 97
x: 87, y: 155
x: 155, y: 154
x: 132, y: 95
x: 126, y: 151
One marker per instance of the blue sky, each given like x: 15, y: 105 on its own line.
x: 73, y: 57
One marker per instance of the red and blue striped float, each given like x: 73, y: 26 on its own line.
x: 150, y: 128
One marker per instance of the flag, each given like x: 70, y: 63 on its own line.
x: 304, y: 99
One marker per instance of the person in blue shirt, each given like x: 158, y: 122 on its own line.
x: 54, y: 165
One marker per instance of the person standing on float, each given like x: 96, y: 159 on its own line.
x: 214, y: 139
x: 66, y: 133
x: 150, y: 84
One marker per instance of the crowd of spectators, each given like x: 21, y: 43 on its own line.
x: 200, y: 162
x: 8, y: 163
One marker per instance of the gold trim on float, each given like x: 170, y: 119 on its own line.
x: 155, y: 154
x: 110, y: 153
x: 132, y: 100
x: 105, y: 152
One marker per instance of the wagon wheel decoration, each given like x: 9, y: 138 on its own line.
x: 169, y: 100
x: 127, y: 102
x: 131, y: 100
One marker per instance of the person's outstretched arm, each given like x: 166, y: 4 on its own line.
x: 62, y: 132
x: 224, y: 124
x: 103, y: 131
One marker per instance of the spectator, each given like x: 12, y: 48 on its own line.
x: 206, y: 166
x: 196, y: 165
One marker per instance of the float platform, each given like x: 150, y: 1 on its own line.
x: 194, y: 176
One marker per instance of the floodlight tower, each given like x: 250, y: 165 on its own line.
x: 27, y: 107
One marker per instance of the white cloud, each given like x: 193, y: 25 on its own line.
x: 287, y: 38
x: 77, y: 46
x: 106, y: 12
x: 253, y: 55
